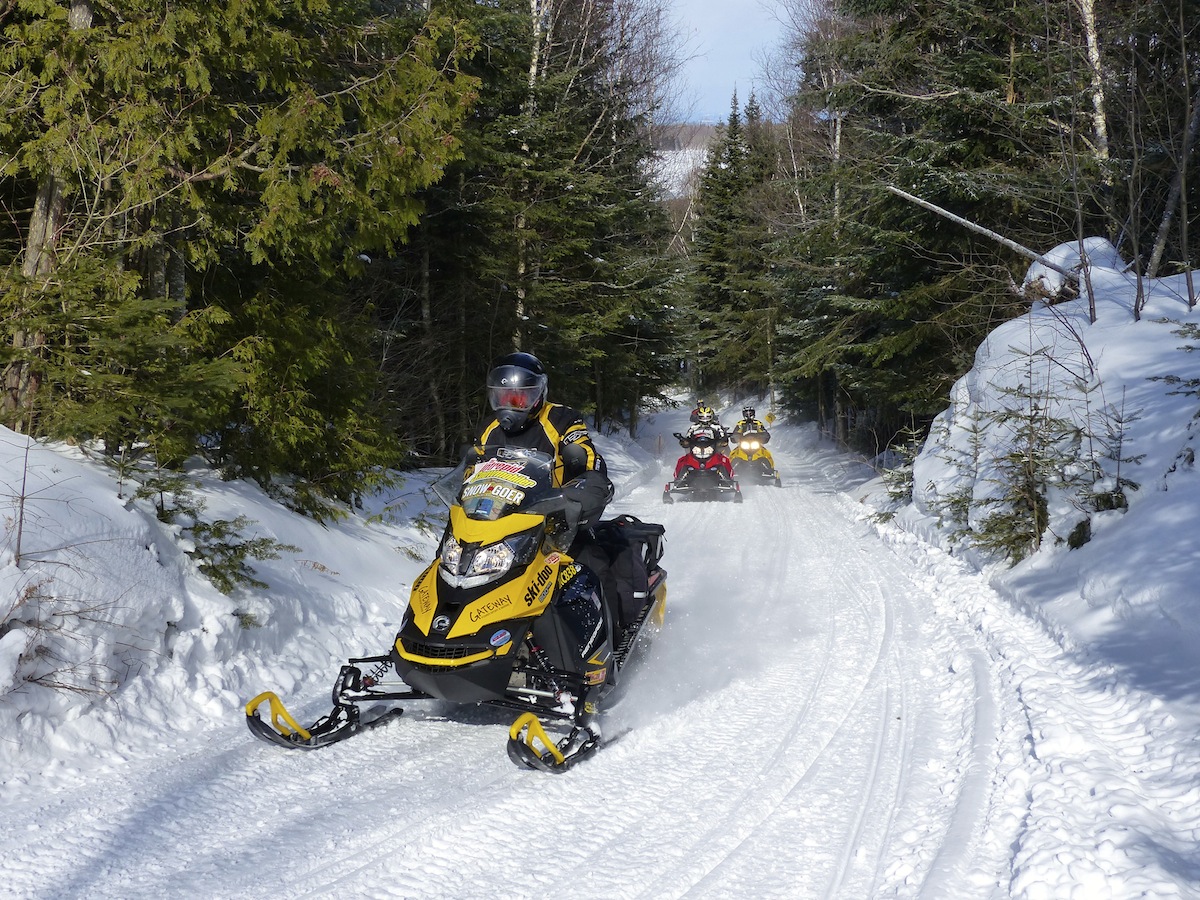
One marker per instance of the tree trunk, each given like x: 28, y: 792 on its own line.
x: 1176, y: 190
x: 466, y: 394
x: 177, y: 266
x: 598, y: 381
x: 430, y: 355
x: 1087, y: 9
x: 21, y: 380
x: 986, y: 232
x: 539, y: 12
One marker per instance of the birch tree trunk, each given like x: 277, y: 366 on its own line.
x: 1087, y: 9
x: 539, y: 10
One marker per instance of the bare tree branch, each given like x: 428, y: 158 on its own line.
x: 986, y: 232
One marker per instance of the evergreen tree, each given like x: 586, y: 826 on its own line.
x: 546, y: 235
x: 736, y: 296
x: 886, y: 302
x: 190, y: 189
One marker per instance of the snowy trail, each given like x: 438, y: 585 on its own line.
x: 833, y: 709
x: 795, y: 725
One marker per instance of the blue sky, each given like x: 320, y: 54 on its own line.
x: 725, y: 38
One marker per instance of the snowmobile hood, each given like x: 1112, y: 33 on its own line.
x: 475, y: 531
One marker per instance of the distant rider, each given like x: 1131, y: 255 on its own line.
x: 748, y: 424
x: 701, y: 407
x: 704, y: 419
x: 703, y: 443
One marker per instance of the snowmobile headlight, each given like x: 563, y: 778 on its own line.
x: 751, y: 445
x: 702, y: 452
x: 524, y: 547
x: 485, y: 563
x: 451, y: 554
x: 494, y: 559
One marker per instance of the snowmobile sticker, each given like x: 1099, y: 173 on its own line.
x: 487, y: 607
x: 591, y: 641
x: 503, y: 471
x: 541, y: 586
x: 503, y: 492
x: 599, y: 659
x: 500, y: 638
x: 567, y: 573
x: 422, y: 600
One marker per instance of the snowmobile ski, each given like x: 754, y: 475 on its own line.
x: 341, y: 722
x: 530, y: 746
x: 283, y: 731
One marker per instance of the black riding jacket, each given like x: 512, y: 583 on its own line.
x: 750, y: 426
x: 555, y: 428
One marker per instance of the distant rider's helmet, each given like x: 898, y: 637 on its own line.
x: 705, y: 415
x: 516, y: 389
x: 748, y: 413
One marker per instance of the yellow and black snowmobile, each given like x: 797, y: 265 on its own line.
x: 505, y: 617
x: 750, y: 458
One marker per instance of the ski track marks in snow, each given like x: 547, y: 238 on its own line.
x: 793, y: 727
x: 1092, y: 788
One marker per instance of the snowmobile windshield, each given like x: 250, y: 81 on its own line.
x: 504, y: 485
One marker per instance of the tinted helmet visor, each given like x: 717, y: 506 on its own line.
x: 522, y: 399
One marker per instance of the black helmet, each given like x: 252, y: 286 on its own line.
x: 516, y: 388
x: 748, y: 412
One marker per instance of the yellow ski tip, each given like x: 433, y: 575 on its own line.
x: 532, y: 726
x: 281, y: 719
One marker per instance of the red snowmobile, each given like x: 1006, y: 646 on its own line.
x: 704, y: 472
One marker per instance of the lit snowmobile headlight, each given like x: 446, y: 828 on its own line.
x: 485, y: 563
x: 750, y: 445
x: 451, y: 554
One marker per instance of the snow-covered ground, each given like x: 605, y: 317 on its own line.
x: 834, y: 707
x: 678, y: 171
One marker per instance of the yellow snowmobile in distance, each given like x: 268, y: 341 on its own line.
x: 503, y: 616
x: 751, y: 459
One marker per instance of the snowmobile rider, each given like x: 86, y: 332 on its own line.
x: 516, y: 388
x: 704, y: 421
x: 704, y: 435
x: 522, y: 417
x: 750, y: 425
